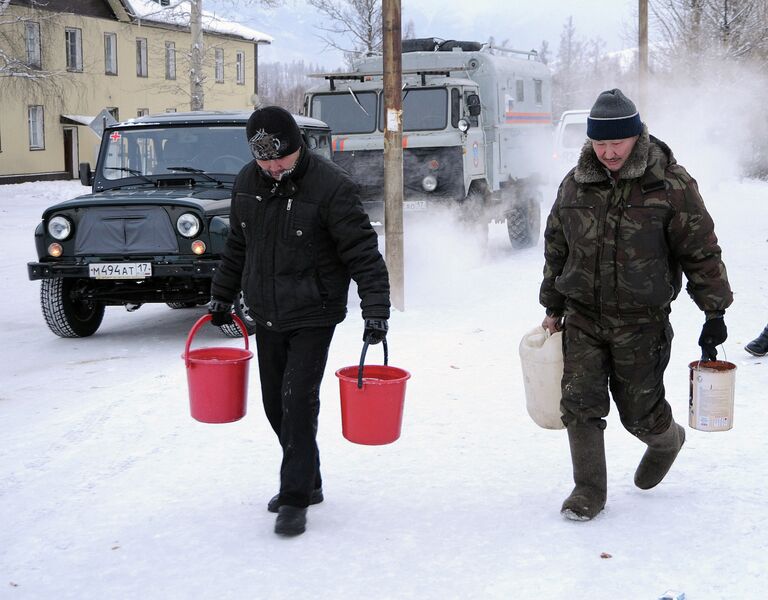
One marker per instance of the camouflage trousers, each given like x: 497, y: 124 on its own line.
x: 628, y: 360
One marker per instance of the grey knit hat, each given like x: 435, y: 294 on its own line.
x: 613, y: 117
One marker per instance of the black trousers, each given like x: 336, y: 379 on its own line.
x: 291, y: 366
x: 630, y: 361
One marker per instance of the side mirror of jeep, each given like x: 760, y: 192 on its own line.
x: 86, y: 175
x: 473, y: 105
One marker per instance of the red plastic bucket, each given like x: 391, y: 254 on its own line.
x: 372, y: 399
x: 217, y: 378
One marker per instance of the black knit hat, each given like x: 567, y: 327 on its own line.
x: 272, y: 133
x: 613, y: 117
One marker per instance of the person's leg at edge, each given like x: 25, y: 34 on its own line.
x: 640, y: 357
x: 585, y: 405
x: 307, y: 356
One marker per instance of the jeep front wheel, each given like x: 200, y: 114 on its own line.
x: 241, y: 310
x: 65, y: 314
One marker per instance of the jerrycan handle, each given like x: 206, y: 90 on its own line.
x: 202, y: 321
x: 362, y: 361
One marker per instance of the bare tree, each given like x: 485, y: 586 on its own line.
x: 22, y: 68
x: 694, y: 32
x: 354, y: 27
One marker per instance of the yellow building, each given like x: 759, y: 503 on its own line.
x: 63, y: 62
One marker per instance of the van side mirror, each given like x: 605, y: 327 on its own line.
x: 86, y: 175
x: 473, y: 105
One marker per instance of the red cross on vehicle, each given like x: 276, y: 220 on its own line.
x: 114, y: 136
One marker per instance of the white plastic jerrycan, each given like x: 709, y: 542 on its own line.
x: 541, y: 356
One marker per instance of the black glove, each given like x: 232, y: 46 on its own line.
x: 375, y: 330
x: 713, y: 334
x: 220, y: 311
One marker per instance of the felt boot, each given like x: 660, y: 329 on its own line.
x: 658, y: 458
x: 589, y: 473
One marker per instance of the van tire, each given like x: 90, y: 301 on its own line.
x: 524, y: 224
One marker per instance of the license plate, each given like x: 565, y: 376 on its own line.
x: 411, y: 205
x: 120, y: 270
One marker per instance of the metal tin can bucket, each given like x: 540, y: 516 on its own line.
x: 710, y: 395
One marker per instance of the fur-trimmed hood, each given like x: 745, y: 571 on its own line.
x: 647, y: 152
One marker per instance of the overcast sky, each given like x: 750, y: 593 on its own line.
x: 525, y: 23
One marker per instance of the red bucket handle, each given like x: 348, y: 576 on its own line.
x: 202, y: 321
x: 362, y: 361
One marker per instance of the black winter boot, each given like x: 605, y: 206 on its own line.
x: 759, y: 346
x: 589, y: 474
x: 291, y: 520
x: 658, y: 458
x: 274, y: 503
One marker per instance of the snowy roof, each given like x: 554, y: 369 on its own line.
x: 178, y: 13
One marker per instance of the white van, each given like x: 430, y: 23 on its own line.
x: 570, y: 135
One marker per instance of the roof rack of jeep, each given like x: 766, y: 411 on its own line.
x: 361, y: 75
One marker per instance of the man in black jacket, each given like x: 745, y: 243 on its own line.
x: 298, y: 233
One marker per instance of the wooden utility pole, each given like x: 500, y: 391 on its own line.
x: 642, y: 56
x: 393, y: 151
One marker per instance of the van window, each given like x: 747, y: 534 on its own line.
x: 423, y: 109
x: 520, y: 90
x: 342, y: 112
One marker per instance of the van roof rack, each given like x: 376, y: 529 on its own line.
x: 361, y: 75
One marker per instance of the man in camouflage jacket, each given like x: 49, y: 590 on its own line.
x: 628, y: 221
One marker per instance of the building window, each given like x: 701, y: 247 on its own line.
x: 142, y: 112
x: 170, y: 60
x: 240, y: 66
x: 114, y: 111
x: 36, y: 130
x: 538, y: 91
x: 110, y: 53
x: 520, y: 90
x: 32, y: 37
x: 74, y: 42
x: 219, y: 67
x: 141, y: 57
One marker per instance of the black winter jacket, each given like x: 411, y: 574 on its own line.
x: 294, y: 244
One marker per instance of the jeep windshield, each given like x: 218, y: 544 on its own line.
x: 139, y: 153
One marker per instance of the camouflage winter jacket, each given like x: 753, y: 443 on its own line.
x: 615, y: 251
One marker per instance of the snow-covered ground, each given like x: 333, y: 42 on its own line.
x: 108, y: 488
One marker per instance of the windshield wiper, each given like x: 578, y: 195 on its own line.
x: 196, y: 172
x: 132, y: 172
x: 354, y: 97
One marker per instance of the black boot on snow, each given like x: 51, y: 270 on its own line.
x: 291, y: 520
x: 274, y: 503
x: 759, y: 346
x: 589, y: 473
x: 662, y: 451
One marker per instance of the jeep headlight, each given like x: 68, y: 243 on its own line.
x: 463, y: 125
x: 188, y: 225
x: 429, y: 183
x: 59, y: 227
